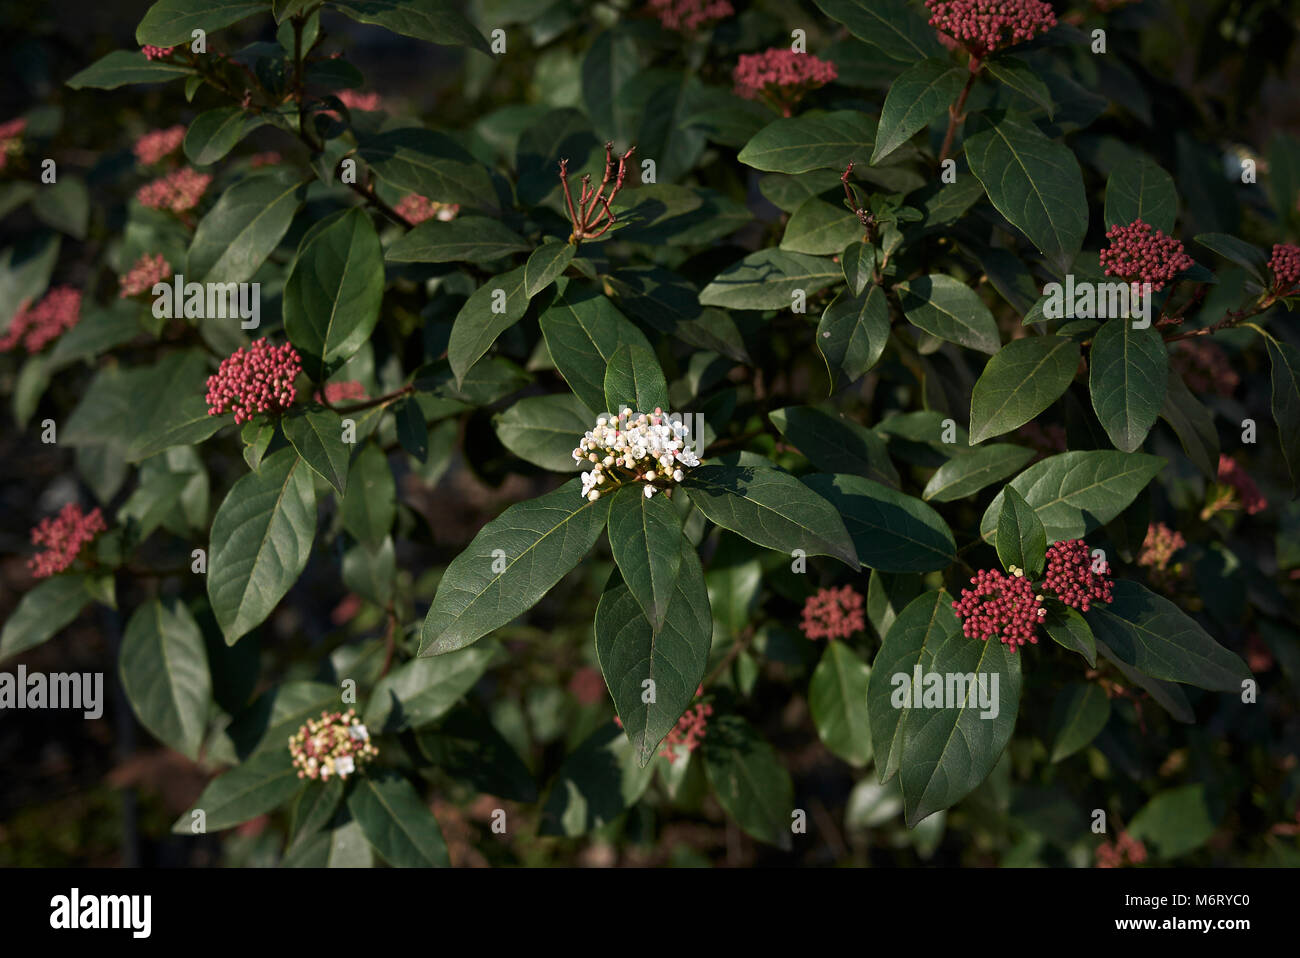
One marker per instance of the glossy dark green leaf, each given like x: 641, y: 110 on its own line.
x: 235, y: 237
x: 423, y: 690
x: 596, y: 784
x: 1153, y: 635
x: 492, y: 309
x: 1034, y: 182
x: 317, y: 434
x: 967, y: 474
x: 470, y: 239
x: 546, y: 263
x: 1193, y: 423
x: 533, y: 544
x: 544, y: 430
x: 164, y: 670
x: 1176, y: 820
x: 833, y: 443
x: 1079, y: 712
x: 1169, y: 696
x: 1128, y: 368
x: 891, y: 531
x: 1238, y: 251
x: 951, y: 310
x: 265, y: 781
x: 465, y: 745
x: 1024, y: 378
x: 633, y: 379
x: 215, y: 133
x: 333, y: 294
x: 261, y: 539
x: 769, y: 279
x: 770, y: 508
x: 583, y: 330
x: 820, y: 228
x: 370, y: 503
x: 435, y: 21
x: 124, y: 67
x: 1285, y: 360
x: 812, y: 141
x: 1020, y: 76
x: 1021, y: 539
x: 853, y: 333
x: 837, y: 697
x: 653, y: 674
x: 645, y: 536
x: 923, y: 92
x: 1075, y: 492
x: 45, y: 609
x: 417, y: 160
x: 1139, y: 189
x: 893, y: 27
x: 749, y: 780
x: 397, y: 822
x: 169, y: 23
x: 1070, y: 630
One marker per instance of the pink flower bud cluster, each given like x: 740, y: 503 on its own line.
x: 156, y: 53
x: 63, y: 536
x: 334, y: 744
x: 1071, y: 577
x: 690, y: 729
x: 1159, y: 546
x: 1285, y: 264
x: 157, y: 144
x: 1232, y: 475
x: 11, y: 139
x: 781, y: 76
x: 1141, y: 253
x: 360, y: 101
x: 147, y: 271
x: 1000, y: 606
x: 254, y: 380
x: 35, y: 326
x: 343, y: 391
x: 1204, y: 366
x: 1126, y: 850
x: 178, y: 191
x: 415, y: 209
x: 587, y: 685
x: 834, y: 613
x: 687, y: 16
x: 983, y: 26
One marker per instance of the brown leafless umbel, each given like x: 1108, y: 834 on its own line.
x: 592, y: 217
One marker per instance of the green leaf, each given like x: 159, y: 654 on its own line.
x: 583, y: 330
x: 1069, y: 630
x: 164, y: 670
x: 923, y: 92
x: 64, y: 205
x: 423, y: 690
x: 749, y: 780
x: 468, y: 239
x: 1154, y: 636
x: 633, y: 379
x: 1128, y: 369
x: 169, y: 23
x: 49, y: 606
x: 215, y: 133
x: 673, y: 657
x: 317, y: 434
x: 123, y: 67
x: 1034, y: 182
x: 645, y: 537
x: 598, y: 781
x: 315, y: 807
x: 610, y: 61
x: 267, y: 723
x: 1075, y: 492
x: 490, y: 310
x: 767, y: 279
x: 951, y: 310
x: 333, y: 294
x: 820, y: 228
x: 415, y: 160
x: 544, y: 430
x: 267, y: 780
x: 465, y: 745
x: 99, y: 331
x: 814, y: 140
x: 397, y: 822
x: 892, y: 532
x: 534, y: 544
x: 1020, y: 76
x: 370, y: 572
x: 671, y: 305
x: 1139, y: 189
x: 342, y: 847
x: 1024, y: 378
x: 1285, y: 360
x: 965, y: 475
x: 833, y: 443
x: 412, y: 430
x: 1021, y: 539
x: 1078, y: 714
x: 1193, y: 423
x: 837, y: 696
x: 853, y: 333
x: 241, y: 230
x: 1238, y: 251
x: 1169, y: 696
x: 859, y: 262
x: 261, y: 539
x: 546, y: 263
x: 770, y: 508
x: 435, y: 21
x: 891, y: 26
x: 370, y: 503
x: 1176, y: 821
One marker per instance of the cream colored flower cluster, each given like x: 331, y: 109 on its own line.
x: 649, y: 447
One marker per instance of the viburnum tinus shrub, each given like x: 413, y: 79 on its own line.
x: 699, y: 414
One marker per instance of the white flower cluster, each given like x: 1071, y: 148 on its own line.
x: 634, y: 446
